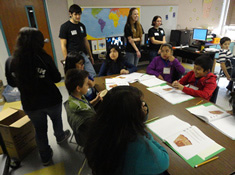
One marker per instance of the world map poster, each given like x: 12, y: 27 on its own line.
x: 104, y: 22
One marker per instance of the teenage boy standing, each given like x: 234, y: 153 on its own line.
x: 73, y: 37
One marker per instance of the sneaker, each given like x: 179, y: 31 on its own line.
x: 67, y: 134
x: 47, y: 161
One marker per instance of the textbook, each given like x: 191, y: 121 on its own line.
x: 170, y: 94
x: 189, y: 142
x: 216, y: 117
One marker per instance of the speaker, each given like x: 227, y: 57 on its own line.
x: 179, y: 37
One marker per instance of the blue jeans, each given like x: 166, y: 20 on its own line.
x: 152, y: 54
x: 88, y: 66
x: 132, y: 58
x: 39, y: 120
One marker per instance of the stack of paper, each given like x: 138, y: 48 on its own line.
x: 216, y: 117
x: 150, y: 81
x: 131, y: 78
x: 113, y: 82
x: 170, y: 94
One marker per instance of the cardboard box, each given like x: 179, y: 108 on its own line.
x: 17, y: 132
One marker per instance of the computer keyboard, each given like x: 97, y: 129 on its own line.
x: 192, y: 49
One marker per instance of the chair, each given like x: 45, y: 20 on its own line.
x: 229, y: 68
x: 78, y: 147
x: 214, y: 95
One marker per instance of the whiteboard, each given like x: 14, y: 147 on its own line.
x: 169, y: 16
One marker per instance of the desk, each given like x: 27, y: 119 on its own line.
x: 193, y: 55
x: 225, y: 165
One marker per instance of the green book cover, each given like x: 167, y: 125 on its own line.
x: 181, y: 142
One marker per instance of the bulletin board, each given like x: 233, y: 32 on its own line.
x: 169, y: 16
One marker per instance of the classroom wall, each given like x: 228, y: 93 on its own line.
x: 57, y: 14
x: 191, y: 14
x: 3, y: 57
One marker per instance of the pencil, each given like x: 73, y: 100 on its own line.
x: 214, y: 158
x: 199, y: 102
x: 155, y: 118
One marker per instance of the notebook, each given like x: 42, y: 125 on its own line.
x: 189, y: 142
x: 216, y: 117
x: 170, y: 94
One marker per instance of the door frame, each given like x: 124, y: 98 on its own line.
x: 4, y: 38
x: 50, y: 33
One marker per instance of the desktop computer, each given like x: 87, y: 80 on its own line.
x: 180, y: 37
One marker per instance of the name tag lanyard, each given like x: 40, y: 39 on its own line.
x: 80, y: 100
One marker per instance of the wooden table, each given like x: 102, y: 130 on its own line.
x: 225, y: 165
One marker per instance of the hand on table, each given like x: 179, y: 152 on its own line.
x: 177, y: 85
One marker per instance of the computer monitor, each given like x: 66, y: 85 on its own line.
x: 116, y: 40
x: 200, y: 34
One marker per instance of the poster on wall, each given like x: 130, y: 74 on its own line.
x: 104, y: 22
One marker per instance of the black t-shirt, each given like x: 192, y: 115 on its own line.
x: 74, y: 34
x: 127, y: 33
x: 45, y: 93
x: 158, y: 34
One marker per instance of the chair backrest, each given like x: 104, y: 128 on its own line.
x: 176, y: 75
x: 214, y: 95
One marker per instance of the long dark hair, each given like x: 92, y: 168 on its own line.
x: 71, y: 60
x: 119, y: 120
x: 29, y: 47
x: 120, y: 60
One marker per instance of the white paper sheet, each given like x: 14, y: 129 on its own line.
x: 152, y: 82
x: 226, y: 125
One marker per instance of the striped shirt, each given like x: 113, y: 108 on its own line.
x: 224, y: 55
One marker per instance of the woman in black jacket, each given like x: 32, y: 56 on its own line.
x: 35, y: 75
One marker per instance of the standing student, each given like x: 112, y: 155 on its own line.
x: 118, y: 142
x: 73, y: 37
x: 35, y: 75
x: 156, y: 36
x: 79, y: 110
x: 199, y: 82
x: 133, y: 32
x: 226, y: 61
x: 76, y: 60
x: 166, y: 66
x: 115, y: 63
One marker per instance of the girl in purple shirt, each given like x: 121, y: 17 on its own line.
x: 166, y: 67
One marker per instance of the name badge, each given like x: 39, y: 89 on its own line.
x: 156, y: 34
x: 74, y: 32
x: 193, y: 87
x: 166, y: 70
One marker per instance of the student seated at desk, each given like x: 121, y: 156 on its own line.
x: 118, y: 142
x: 200, y: 82
x: 115, y: 63
x: 79, y: 110
x: 164, y: 66
x: 76, y: 60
